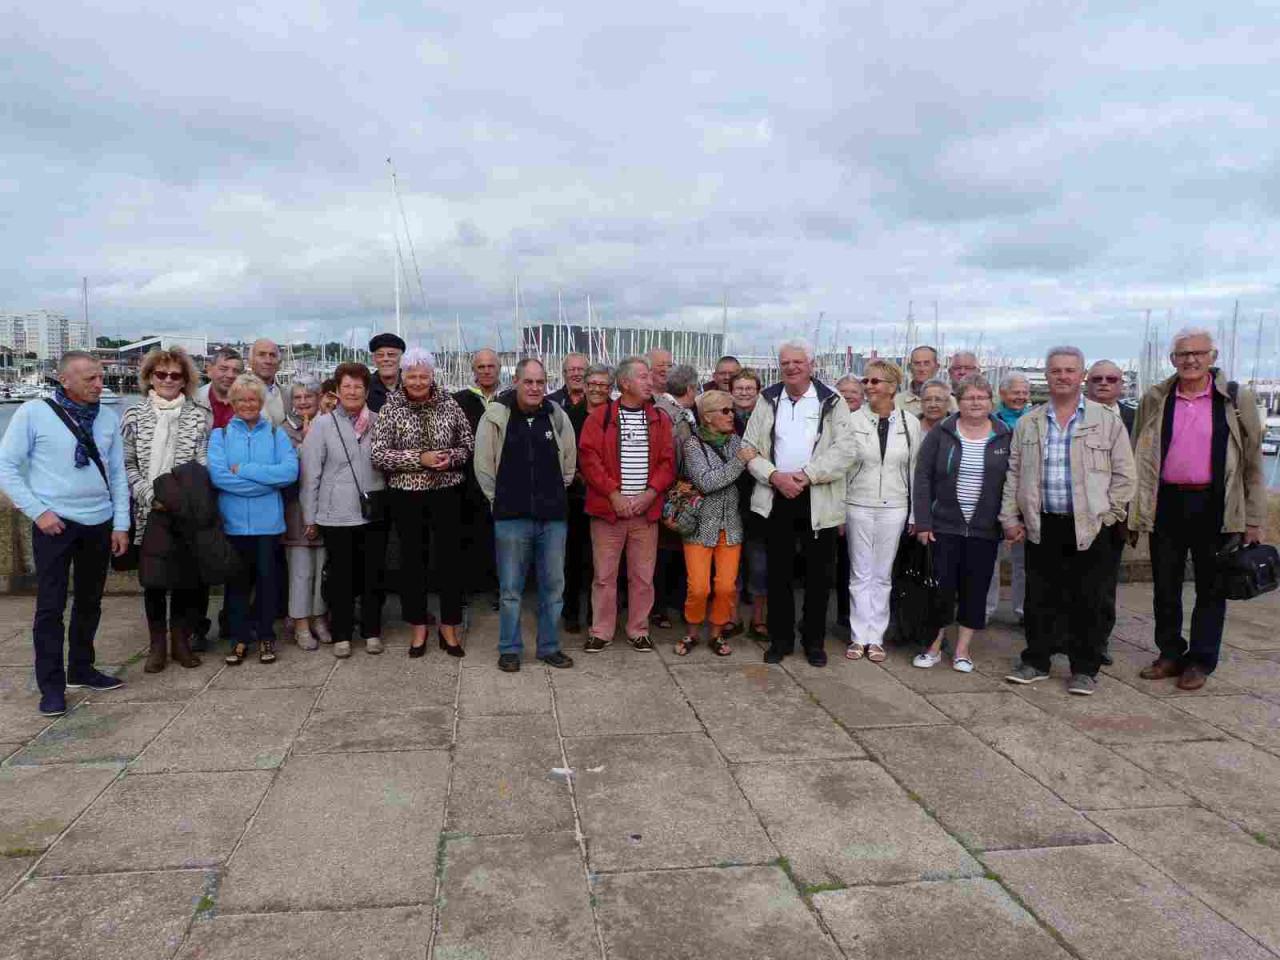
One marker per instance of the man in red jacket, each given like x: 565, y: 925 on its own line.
x: 627, y: 458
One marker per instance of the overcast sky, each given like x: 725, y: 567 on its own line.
x: 1042, y: 171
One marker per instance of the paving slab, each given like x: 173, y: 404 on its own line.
x: 1231, y: 778
x: 862, y: 695
x: 757, y: 712
x: 1252, y: 719
x: 392, y: 933
x: 489, y: 692
x: 1130, y: 659
x: 1225, y: 867
x: 1109, y: 904
x: 847, y: 822
x: 1258, y: 674
x: 975, y: 920
x: 160, y: 821
x: 1246, y: 629
x: 731, y: 913
x: 940, y: 678
x: 138, y: 916
x: 979, y: 796
x: 1116, y: 713
x: 11, y: 871
x: 15, y: 650
x: 632, y: 695
x: 229, y: 730
x: 294, y: 667
x: 1084, y: 773
x: 502, y: 780
x: 515, y: 897
x: 20, y: 717
x: 9, y: 749
x: 662, y: 801
x: 173, y: 683
x: 342, y: 831
x: 99, y: 732
x: 37, y: 803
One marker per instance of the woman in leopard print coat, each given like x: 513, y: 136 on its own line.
x: 423, y: 443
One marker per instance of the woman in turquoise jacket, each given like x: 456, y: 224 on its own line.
x: 251, y: 462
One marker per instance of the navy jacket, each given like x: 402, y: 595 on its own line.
x: 934, y: 485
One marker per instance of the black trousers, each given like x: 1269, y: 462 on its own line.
x: 475, y: 538
x: 577, y: 558
x: 1115, y: 536
x: 964, y: 566
x: 1186, y: 523
x: 1063, y: 587
x: 258, y: 578
x: 77, y: 557
x: 355, y: 558
x: 421, y: 517
x: 787, y: 528
x: 174, y: 608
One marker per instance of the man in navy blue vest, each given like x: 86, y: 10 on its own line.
x: 525, y: 459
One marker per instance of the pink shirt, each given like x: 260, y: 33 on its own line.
x: 1189, y: 459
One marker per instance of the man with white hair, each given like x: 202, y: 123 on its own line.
x: 1198, y: 440
x: 964, y: 363
x: 573, y: 391
x: 1071, y: 473
x: 264, y: 362
x: 799, y: 446
x: 923, y: 361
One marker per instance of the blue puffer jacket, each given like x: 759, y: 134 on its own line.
x: 249, y: 499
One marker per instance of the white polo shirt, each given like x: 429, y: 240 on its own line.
x: 795, y: 428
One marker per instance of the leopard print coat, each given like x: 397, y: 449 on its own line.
x: 404, y: 429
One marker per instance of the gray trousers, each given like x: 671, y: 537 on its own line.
x: 1017, y: 554
x: 305, y: 566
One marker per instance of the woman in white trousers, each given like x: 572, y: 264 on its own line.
x: 877, y: 507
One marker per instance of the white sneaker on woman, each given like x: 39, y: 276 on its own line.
x: 926, y: 660
x: 962, y: 664
x: 303, y: 637
x: 321, y: 629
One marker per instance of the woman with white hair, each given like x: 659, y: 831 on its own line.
x: 304, y: 554
x: 250, y: 463
x: 423, y: 443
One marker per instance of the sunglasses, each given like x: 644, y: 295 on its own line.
x: 168, y: 375
x: 724, y: 410
x: 1102, y: 379
x: 873, y: 381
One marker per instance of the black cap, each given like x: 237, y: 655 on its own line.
x: 386, y: 340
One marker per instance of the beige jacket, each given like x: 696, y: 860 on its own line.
x: 1246, y: 490
x: 1102, y: 472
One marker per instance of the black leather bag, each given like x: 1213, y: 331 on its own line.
x: 1245, y: 572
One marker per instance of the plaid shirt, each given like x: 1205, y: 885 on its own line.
x: 1056, y: 477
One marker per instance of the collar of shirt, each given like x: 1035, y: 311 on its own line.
x: 1198, y: 395
x: 810, y: 394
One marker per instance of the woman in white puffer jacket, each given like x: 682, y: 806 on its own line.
x: 877, y: 505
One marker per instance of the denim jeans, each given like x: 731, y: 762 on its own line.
x: 517, y: 542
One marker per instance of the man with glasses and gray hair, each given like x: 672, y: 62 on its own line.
x: 1199, y: 451
x: 1071, y: 474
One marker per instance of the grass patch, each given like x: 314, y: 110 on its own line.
x: 20, y: 852
x: 813, y: 888
x: 136, y: 658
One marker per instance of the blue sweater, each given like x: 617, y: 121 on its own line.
x: 250, y: 500
x: 38, y: 468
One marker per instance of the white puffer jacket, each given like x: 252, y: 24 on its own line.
x: 871, y: 482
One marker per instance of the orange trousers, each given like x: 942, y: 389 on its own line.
x: 697, y: 563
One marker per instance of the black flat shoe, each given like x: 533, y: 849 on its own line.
x: 453, y: 650
x: 419, y: 651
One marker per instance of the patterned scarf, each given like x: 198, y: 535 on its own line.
x: 83, y: 414
x: 360, y: 422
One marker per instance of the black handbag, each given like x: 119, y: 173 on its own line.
x: 1245, y: 572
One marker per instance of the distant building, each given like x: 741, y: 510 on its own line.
x: 46, y: 334
x: 197, y: 346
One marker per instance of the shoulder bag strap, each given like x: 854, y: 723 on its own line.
x: 90, y: 446
x: 907, y: 433
x: 338, y: 429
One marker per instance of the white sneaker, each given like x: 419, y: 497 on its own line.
x: 342, y: 649
x: 962, y: 664
x: 373, y: 645
x: 304, y: 638
x: 926, y: 660
x: 320, y: 627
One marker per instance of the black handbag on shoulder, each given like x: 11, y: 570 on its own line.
x: 1245, y: 572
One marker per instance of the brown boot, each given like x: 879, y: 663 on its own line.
x: 180, y: 647
x: 155, y: 655
x: 1192, y: 678
x: 1162, y: 669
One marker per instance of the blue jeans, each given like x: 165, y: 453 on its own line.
x: 259, y: 576
x: 517, y: 542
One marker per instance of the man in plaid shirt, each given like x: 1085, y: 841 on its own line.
x: 1071, y: 473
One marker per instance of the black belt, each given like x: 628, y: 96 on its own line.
x: 1188, y: 487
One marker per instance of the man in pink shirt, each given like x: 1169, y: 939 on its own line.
x: 1198, y: 446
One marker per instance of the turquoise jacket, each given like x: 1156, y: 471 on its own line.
x: 249, y: 499
x: 1009, y: 417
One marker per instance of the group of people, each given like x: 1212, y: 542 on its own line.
x: 721, y: 492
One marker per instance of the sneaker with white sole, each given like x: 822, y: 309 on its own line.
x: 962, y: 665
x: 305, y: 639
x: 373, y: 645
x: 926, y: 660
x: 1082, y: 685
x: 321, y: 629
x: 1025, y: 673
x: 342, y: 649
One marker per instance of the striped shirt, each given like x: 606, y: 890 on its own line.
x: 633, y: 432
x: 1056, y: 478
x: 973, y: 465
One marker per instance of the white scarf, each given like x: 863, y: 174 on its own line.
x: 164, y: 442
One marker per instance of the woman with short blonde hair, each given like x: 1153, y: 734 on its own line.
x: 248, y: 382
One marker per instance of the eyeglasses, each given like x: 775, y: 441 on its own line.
x: 1104, y: 379
x: 168, y: 375
x: 597, y: 386
x: 873, y: 381
x: 1183, y: 355
x: 723, y: 410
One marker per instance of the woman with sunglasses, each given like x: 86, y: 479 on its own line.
x: 877, y: 506
x: 165, y: 430
x: 712, y: 464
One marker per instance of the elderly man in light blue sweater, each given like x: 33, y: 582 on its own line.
x: 62, y: 464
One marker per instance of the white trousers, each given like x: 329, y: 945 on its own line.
x: 872, y: 534
x: 305, y: 566
x: 1017, y: 554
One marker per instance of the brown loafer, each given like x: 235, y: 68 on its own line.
x: 1162, y: 669
x: 1192, y: 678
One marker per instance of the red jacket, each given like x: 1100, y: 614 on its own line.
x: 600, y: 459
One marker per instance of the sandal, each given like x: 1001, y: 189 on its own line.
x: 719, y: 646
x: 875, y: 653
x: 760, y: 630
x: 237, y: 655
x: 266, y: 651
x: 854, y: 651
x: 684, y: 645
